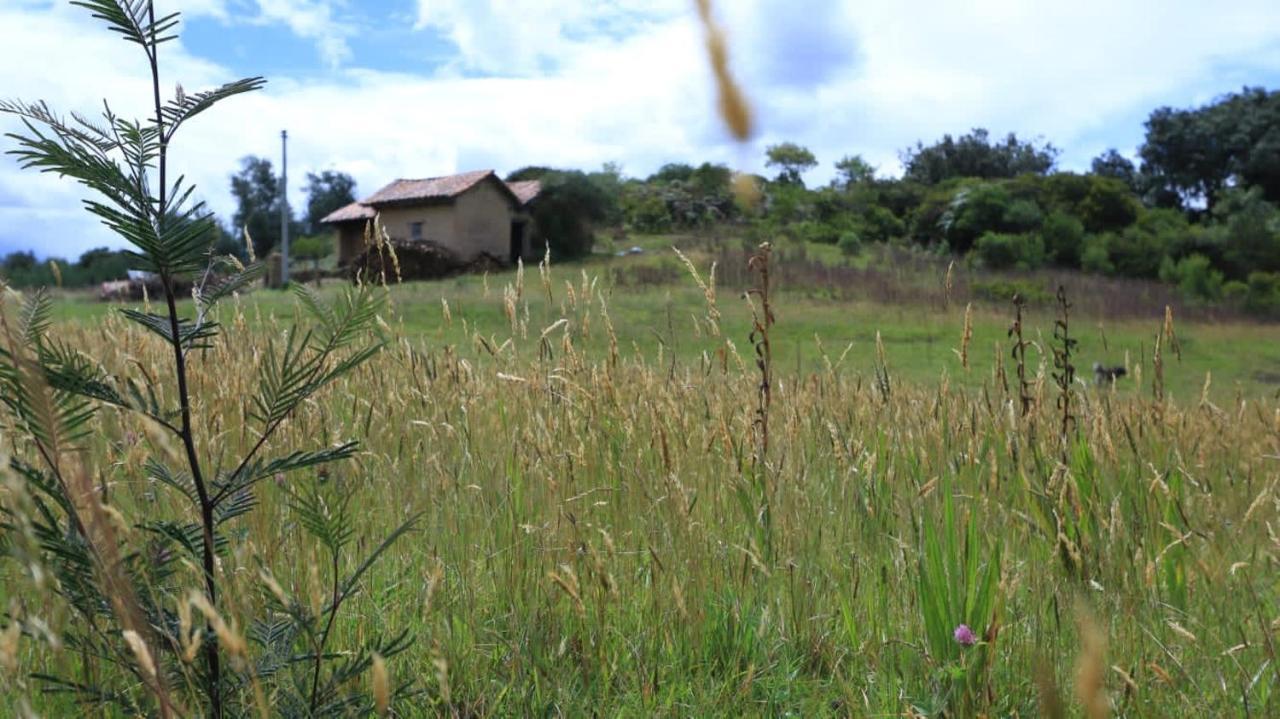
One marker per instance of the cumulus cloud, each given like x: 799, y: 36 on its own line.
x: 314, y: 20
x: 582, y: 83
x: 527, y: 37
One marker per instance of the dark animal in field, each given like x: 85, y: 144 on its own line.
x: 1107, y: 375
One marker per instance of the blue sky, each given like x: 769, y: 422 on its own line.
x: 411, y: 88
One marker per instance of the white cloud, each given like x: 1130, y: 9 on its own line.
x: 198, y: 8
x: 578, y: 84
x: 1064, y: 71
x: 531, y: 36
x: 313, y: 20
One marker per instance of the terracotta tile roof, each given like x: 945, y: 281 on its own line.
x: 525, y: 191
x: 350, y: 213
x: 430, y: 189
x: 434, y: 188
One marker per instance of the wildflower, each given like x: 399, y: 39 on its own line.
x: 965, y: 636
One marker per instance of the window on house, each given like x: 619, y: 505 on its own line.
x: 415, y: 231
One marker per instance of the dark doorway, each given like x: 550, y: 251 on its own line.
x: 517, y: 240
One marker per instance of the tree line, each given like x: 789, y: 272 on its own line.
x: 256, y: 221
x: 1200, y: 208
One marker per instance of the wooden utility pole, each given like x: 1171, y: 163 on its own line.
x: 284, y: 208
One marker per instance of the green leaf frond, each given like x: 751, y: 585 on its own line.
x: 326, y: 518
x: 99, y: 138
x: 191, y: 335
x: 350, y: 585
x: 35, y: 317
x: 352, y: 314
x: 66, y: 155
x: 55, y: 418
x: 208, y: 295
x: 184, y: 107
x: 132, y: 20
x: 180, y: 480
x: 257, y: 470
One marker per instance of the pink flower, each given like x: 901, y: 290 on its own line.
x: 965, y: 636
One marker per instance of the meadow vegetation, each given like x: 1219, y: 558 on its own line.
x: 601, y: 530
x: 713, y: 480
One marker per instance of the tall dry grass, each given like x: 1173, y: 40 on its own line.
x: 595, y: 535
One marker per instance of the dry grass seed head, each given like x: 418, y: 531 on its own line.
x: 733, y: 106
x: 1091, y: 669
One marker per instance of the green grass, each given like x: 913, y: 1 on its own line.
x: 597, y: 538
x: 920, y: 341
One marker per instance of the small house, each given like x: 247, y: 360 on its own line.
x: 470, y: 214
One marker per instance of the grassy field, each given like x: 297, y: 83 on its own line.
x: 659, y: 312
x: 605, y: 534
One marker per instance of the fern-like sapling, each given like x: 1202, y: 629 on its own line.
x: 136, y: 652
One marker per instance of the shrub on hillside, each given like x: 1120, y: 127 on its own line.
x: 1195, y: 277
x: 1063, y: 237
x: 850, y: 243
x: 649, y: 214
x: 878, y: 224
x: 974, y: 211
x: 1005, y: 252
x: 823, y: 233
x: 1250, y: 232
x: 1135, y: 253
x: 1263, y: 293
x: 1108, y: 205
x: 1022, y: 216
x: 1095, y: 254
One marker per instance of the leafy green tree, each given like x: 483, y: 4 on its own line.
x: 646, y: 211
x: 21, y: 269
x: 567, y: 211
x: 789, y: 203
x: 531, y: 172
x: 256, y: 190
x: 1095, y: 254
x: 1063, y: 236
x: 1005, y: 251
x: 19, y: 261
x: 1116, y: 166
x: 133, y: 655
x: 974, y: 211
x: 314, y: 248
x: 975, y: 155
x: 850, y: 243
x: 226, y: 243
x: 1195, y: 277
x: 609, y: 180
x: 711, y: 181
x: 792, y: 161
x: 1140, y: 249
x: 1022, y: 216
x: 1191, y: 156
x: 101, y: 264
x: 853, y: 170
x: 1251, y: 232
x: 1108, y: 205
x: 326, y: 192
x: 878, y: 224
x: 672, y: 172
x: 1263, y: 293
